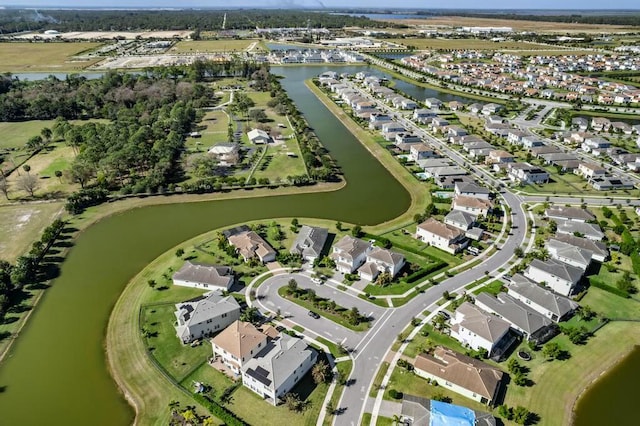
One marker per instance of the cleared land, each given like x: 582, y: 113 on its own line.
x: 20, y: 225
x: 465, y: 43
x: 17, y: 57
x: 539, y: 26
x: 224, y: 45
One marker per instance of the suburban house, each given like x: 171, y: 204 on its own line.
x: 423, y: 115
x: 542, y: 300
x: 526, y: 173
x: 524, y: 319
x: 478, y: 329
x: 418, y: 411
x: 408, y: 138
x: 249, y: 245
x: 257, y: 136
x: 205, y: 315
x: 599, y: 251
x: 310, y: 242
x: 569, y: 254
x: 490, y: 109
x: 350, y: 253
x: 377, y: 120
x: 239, y: 342
x: 440, y: 235
x: 381, y: 260
x: 461, y: 374
x: 278, y: 367
x: 459, y: 219
x: 208, y: 277
x: 586, y: 230
x: 590, y: 170
x: 227, y: 154
x: 498, y: 156
x: 389, y: 130
x: 607, y: 183
x: 433, y: 103
x: 569, y: 213
x: 473, y: 205
x: 472, y: 190
x: 420, y: 151
x: 558, y: 276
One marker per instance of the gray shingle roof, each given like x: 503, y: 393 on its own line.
x: 574, y: 213
x: 567, y: 251
x: 351, y: 247
x: 386, y: 256
x: 541, y: 296
x: 310, y: 241
x: 482, y: 323
x: 219, y: 276
x: 514, y: 311
x: 588, y: 229
x: 559, y: 269
x: 201, y: 309
x: 459, y: 217
x: 596, y: 247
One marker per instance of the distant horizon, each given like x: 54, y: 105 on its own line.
x: 498, y: 6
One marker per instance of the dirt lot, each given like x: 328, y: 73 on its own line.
x: 21, y: 225
x: 458, y: 21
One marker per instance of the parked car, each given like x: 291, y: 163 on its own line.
x: 317, y: 280
x: 313, y: 315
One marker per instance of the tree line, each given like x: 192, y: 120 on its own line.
x: 630, y: 19
x: 12, y: 20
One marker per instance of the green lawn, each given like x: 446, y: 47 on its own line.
x: 16, y: 134
x: 277, y: 164
x: 434, y: 338
x: 54, y: 56
x: 493, y: 288
x: 378, y: 379
x: 208, y: 375
x: 223, y: 45
x: 344, y: 368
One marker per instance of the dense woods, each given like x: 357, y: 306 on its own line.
x: 205, y: 20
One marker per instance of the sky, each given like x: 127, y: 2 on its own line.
x: 470, y: 4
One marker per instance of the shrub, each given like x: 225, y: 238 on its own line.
x: 395, y: 394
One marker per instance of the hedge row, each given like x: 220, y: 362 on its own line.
x: 220, y: 412
x: 423, y: 272
x: 594, y: 282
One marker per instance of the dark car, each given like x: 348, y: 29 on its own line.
x: 313, y: 315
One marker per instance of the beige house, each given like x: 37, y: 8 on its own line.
x: 461, y: 374
x: 239, y: 342
x: 440, y: 235
x: 249, y: 245
x: 473, y: 205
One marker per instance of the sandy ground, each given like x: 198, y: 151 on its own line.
x: 98, y: 35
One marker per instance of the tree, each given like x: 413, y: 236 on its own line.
x: 81, y: 172
x: 179, y: 252
x: 46, y: 134
x: 4, y: 186
x: 354, y: 316
x: 292, y: 286
x: 58, y: 174
x: 331, y: 409
x: 292, y: 402
x: 519, y: 253
x: 339, y: 226
x: 189, y: 415
x: 551, y: 351
x: 320, y: 372
x: 250, y: 315
x: 521, y: 415
x: 152, y: 283
x: 26, y: 168
x: 28, y: 183
x: 173, y: 405
x: 356, y: 231
x: 257, y: 114
x: 585, y: 312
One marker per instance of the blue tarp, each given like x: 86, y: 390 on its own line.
x: 443, y: 414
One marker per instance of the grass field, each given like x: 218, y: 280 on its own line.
x: 16, y: 135
x: 463, y: 43
x: 213, y: 129
x: 21, y: 225
x: 224, y: 45
x: 538, y: 26
x: 18, y: 57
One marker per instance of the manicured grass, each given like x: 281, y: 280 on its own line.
x: 333, y: 348
x: 256, y: 411
x: 378, y: 379
x: 18, y: 57
x: 493, y: 288
x: 344, y: 368
x: 208, y: 375
x: 408, y: 382
x: 610, y: 305
x: 471, y: 43
x: 223, y: 45
x: 21, y: 225
x: 16, y: 134
x: 276, y: 164
x: 362, y: 326
x: 434, y: 338
x: 394, y: 288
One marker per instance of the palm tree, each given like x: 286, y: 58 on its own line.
x: 189, y: 415
x: 319, y: 372
x: 173, y: 405
x: 26, y: 168
x: 208, y: 421
x: 58, y: 174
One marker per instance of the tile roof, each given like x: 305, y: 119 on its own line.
x: 239, y: 339
x: 440, y: 229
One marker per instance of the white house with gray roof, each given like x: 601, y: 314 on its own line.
x: 459, y: 219
x: 558, y: 276
x: 208, y: 277
x: 591, y: 231
x: 276, y: 369
x: 476, y: 328
x: 205, y: 315
x: 472, y: 190
x: 350, y: 253
x: 524, y: 319
x: 309, y: 242
x: 598, y: 249
x: 569, y: 213
x: 550, y: 304
x: 381, y: 260
x: 569, y: 254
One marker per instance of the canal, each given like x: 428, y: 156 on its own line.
x: 56, y: 373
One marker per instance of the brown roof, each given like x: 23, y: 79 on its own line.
x: 240, y: 338
x: 249, y: 244
x: 462, y: 370
x: 463, y: 200
x: 441, y: 229
x: 484, y: 324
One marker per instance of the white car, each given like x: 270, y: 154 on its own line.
x: 316, y: 280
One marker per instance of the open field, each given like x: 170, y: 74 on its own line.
x: 16, y: 134
x: 464, y: 43
x: 224, y: 45
x: 105, y: 35
x: 18, y: 57
x: 213, y: 130
x: 459, y: 21
x: 21, y: 225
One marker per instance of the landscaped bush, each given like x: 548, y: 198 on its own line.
x: 395, y: 394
